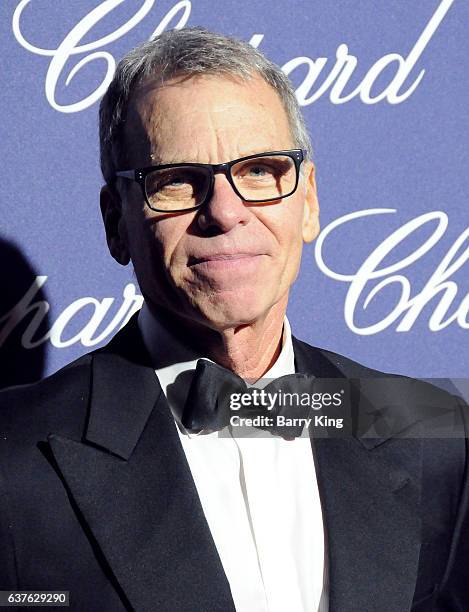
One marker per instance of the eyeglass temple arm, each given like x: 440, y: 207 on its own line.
x: 130, y: 174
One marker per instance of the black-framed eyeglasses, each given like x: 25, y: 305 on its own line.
x: 263, y: 177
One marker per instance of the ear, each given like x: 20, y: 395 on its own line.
x: 310, y: 226
x: 111, y: 209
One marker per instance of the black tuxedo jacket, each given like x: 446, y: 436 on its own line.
x: 97, y: 498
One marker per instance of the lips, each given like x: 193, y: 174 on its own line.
x: 193, y: 260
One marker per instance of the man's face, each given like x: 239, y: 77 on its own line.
x: 212, y: 120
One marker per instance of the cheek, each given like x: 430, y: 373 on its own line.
x: 285, y: 224
x: 148, y: 243
x: 167, y: 240
x: 288, y: 231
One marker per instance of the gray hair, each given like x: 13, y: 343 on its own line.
x: 187, y: 52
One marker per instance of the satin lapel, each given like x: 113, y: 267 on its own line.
x: 132, y: 486
x: 371, y: 511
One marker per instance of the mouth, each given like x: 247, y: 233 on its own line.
x: 223, y: 257
x: 225, y: 262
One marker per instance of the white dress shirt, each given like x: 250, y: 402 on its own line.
x: 259, y: 494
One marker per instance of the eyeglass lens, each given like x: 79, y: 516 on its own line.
x: 256, y: 179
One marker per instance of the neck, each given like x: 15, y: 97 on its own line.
x: 248, y: 350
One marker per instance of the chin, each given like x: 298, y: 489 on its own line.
x: 233, y: 309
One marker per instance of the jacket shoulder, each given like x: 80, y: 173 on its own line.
x: 340, y: 363
x: 58, y: 402
x: 386, y: 389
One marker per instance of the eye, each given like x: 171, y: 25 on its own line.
x: 259, y: 170
x: 173, y: 181
x: 168, y: 180
x: 255, y: 170
x: 262, y: 169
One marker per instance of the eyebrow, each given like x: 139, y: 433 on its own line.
x: 171, y: 160
x: 157, y: 161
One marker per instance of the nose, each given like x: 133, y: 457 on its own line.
x: 224, y: 210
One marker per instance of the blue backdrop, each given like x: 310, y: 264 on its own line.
x: 384, y: 87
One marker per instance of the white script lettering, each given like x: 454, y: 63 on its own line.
x: 409, y: 307
x: 88, y: 336
x: 335, y: 82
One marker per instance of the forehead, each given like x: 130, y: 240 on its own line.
x: 206, y: 118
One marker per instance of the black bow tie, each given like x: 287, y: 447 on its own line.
x: 215, y: 398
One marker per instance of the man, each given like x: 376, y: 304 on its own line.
x: 110, y: 492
